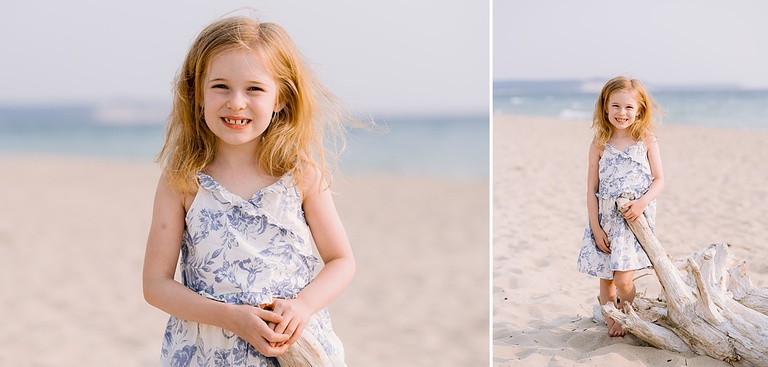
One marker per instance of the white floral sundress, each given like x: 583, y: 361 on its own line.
x: 622, y: 173
x: 243, y: 252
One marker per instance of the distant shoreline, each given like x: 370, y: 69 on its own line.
x: 414, y: 147
x: 594, y: 85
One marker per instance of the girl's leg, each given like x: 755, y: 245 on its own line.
x: 608, y: 294
x: 625, y: 285
x: 607, y: 291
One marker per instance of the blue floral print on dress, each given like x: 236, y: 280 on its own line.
x: 243, y: 252
x: 622, y: 174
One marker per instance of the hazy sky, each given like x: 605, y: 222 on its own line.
x: 657, y: 41
x: 422, y: 56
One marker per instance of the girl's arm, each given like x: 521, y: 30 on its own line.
x: 164, y: 292
x: 336, y: 252
x: 634, y: 209
x: 593, y: 184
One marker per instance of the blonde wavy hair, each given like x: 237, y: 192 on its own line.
x: 647, y: 110
x: 309, y: 124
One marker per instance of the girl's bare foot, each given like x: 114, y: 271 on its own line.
x: 615, y: 329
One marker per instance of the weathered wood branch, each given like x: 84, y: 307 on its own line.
x: 744, y: 292
x: 306, y: 351
x: 714, y: 310
x: 656, y: 335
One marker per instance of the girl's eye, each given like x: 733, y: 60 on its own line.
x: 219, y: 86
x: 254, y: 89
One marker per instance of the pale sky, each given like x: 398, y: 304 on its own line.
x: 394, y: 56
x: 657, y: 41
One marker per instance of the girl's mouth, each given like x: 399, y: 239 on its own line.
x: 240, y: 122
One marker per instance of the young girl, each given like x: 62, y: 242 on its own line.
x: 624, y: 161
x: 243, y: 198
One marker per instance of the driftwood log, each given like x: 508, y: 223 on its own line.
x: 306, y: 351
x: 708, y: 304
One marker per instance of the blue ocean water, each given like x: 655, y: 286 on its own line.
x: 454, y: 147
x: 741, y: 109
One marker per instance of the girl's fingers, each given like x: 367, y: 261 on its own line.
x: 289, y: 330
x: 268, y: 316
x: 607, y: 247
x: 281, y: 327
x: 295, y: 335
x: 626, y: 207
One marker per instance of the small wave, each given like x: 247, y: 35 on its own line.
x: 515, y: 101
x: 117, y: 114
x: 574, y: 114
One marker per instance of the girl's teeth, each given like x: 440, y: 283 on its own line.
x: 236, y: 122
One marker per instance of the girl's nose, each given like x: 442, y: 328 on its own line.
x: 236, y: 102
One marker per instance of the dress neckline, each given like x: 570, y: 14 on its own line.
x: 210, y: 183
x: 625, y: 151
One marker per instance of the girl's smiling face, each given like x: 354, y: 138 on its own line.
x: 239, y: 98
x: 622, y: 109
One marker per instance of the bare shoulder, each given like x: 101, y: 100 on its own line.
x: 167, y: 195
x: 595, y: 151
x: 651, y: 140
x: 652, y: 146
x: 164, y: 187
x: 312, y: 181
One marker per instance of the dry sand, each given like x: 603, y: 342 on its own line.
x: 716, y: 190
x: 72, y: 236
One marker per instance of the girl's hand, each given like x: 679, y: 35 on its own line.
x: 632, y: 210
x: 601, y: 240
x: 250, y: 323
x: 295, y: 314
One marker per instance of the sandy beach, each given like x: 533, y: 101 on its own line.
x: 72, y: 237
x: 715, y: 191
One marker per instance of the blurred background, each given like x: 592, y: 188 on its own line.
x: 703, y: 61
x: 86, y: 71
x: 86, y: 88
